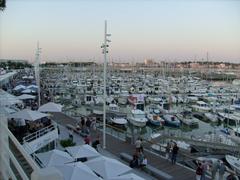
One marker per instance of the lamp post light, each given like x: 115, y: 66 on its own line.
x: 105, y: 51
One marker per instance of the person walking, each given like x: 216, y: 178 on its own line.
x: 144, y: 162
x: 222, y: 169
x: 199, y: 171
x: 174, y: 153
x: 96, y: 143
x: 214, y: 168
x: 82, y: 122
x: 168, y: 149
x: 138, y: 145
x: 204, y: 169
x: 71, y: 135
x: 87, y: 140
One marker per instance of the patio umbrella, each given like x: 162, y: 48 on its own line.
x: 8, y: 99
x: 82, y: 151
x: 9, y: 110
x: 28, y: 114
x: 54, y: 157
x: 25, y: 96
x: 47, y: 173
x: 107, y: 167
x: 77, y: 171
x: 130, y: 176
x: 50, y: 107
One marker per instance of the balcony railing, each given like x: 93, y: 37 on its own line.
x: 39, y: 133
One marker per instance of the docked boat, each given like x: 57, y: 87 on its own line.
x: 211, y: 117
x: 120, y: 121
x: 137, y: 118
x: 171, y: 120
x: 155, y: 119
x: 201, y: 106
x: 234, y: 163
x: 187, y: 119
x: 113, y: 107
x: 123, y: 98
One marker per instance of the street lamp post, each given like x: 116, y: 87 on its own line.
x: 37, y: 72
x: 105, y: 51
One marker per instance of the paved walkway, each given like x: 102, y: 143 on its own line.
x: 64, y: 134
x: 116, y: 146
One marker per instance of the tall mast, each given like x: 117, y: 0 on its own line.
x: 37, y: 76
x: 105, y: 51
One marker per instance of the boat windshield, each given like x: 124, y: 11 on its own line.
x: 139, y: 115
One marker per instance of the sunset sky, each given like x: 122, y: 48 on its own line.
x: 159, y: 29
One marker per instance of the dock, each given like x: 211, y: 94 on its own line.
x: 116, y: 146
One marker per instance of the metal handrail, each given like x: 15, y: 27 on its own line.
x: 21, y: 149
x: 34, y: 156
x: 39, y: 133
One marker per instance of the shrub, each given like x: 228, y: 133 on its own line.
x: 67, y: 142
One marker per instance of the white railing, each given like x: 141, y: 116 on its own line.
x: 27, y: 157
x: 34, y: 156
x: 39, y: 133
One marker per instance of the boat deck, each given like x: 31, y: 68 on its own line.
x: 116, y: 146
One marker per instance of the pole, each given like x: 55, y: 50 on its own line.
x: 37, y: 75
x: 104, y: 74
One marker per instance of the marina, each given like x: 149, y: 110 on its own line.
x: 152, y: 95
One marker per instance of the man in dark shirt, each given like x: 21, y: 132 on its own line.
x: 174, y: 153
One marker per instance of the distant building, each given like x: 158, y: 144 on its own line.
x: 148, y: 62
x: 114, y: 64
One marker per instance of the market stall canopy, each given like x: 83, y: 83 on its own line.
x: 47, y: 173
x: 54, y: 158
x: 77, y: 171
x: 107, y: 167
x: 82, y: 151
x: 28, y: 114
x: 8, y: 99
x: 130, y: 176
x: 50, y: 107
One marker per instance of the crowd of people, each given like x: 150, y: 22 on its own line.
x: 139, y: 159
x: 84, y: 127
x: 217, y: 168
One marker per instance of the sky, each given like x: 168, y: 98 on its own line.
x: 172, y: 30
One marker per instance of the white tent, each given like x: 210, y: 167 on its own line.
x: 8, y: 99
x: 26, y: 96
x: 82, y: 151
x: 50, y: 107
x: 47, y: 173
x: 54, y: 157
x: 28, y: 114
x: 77, y: 171
x: 130, y: 176
x: 9, y: 110
x: 107, y: 167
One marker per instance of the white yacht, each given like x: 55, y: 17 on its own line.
x: 201, y: 106
x: 137, y: 118
x: 234, y: 163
